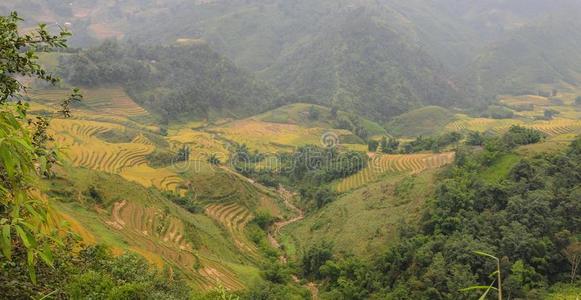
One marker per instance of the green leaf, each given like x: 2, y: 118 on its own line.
x: 485, y: 254
x: 46, y: 256
x: 483, y: 297
x: 31, y: 270
x: 477, y: 287
x: 28, y: 240
x: 481, y: 287
x: 6, y: 241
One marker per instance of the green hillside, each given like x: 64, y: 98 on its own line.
x: 364, y: 222
x: 301, y: 114
x: 173, y: 81
x: 427, y: 120
x: 520, y: 63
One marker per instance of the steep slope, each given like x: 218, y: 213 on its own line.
x: 184, y: 214
x: 543, y: 54
x: 360, y: 64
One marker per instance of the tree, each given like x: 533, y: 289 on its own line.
x: 518, y: 135
x: 550, y: 113
x: 578, y: 100
x: 24, y: 154
x: 475, y: 138
x: 183, y: 153
x: 313, y: 113
x: 334, y: 111
x: 315, y: 257
x: 389, y: 145
x: 372, y: 145
x: 573, y: 255
x: 214, y: 159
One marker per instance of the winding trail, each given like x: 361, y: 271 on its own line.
x: 275, y: 231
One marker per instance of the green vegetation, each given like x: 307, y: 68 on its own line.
x: 310, y: 169
x: 448, y: 167
x: 498, y: 112
x: 92, y: 274
x: 328, y: 118
x: 507, y: 218
x: 202, y: 83
x: 25, y: 155
x: 422, y: 121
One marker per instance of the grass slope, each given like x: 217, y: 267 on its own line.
x: 110, y: 193
x: 422, y: 121
x: 363, y: 222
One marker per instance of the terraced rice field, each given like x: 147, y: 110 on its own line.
x: 163, y: 178
x: 112, y: 101
x: 272, y: 137
x: 557, y: 126
x: 551, y: 128
x: 52, y: 96
x: 202, y: 144
x: 482, y: 124
x: 83, y: 149
x: 163, y: 235
x: 405, y: 163
x: 111, y: 158
x: 234, y: 218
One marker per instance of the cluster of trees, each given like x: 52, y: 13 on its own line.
x: 309, y: 168
x: 241, y: 154
x: 187, y: 202
x: 498, y: 112
x: 93, y: 273
x: 518, y: 136
x: 352, y: 124
x: 173, y: 80
x: 529, y: 219
x: 515, y: 136
x: 392, y: 145
x: 387, y: 145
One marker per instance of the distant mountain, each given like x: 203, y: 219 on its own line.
x: 545, y: 54
x: 360, y: 64
x: 374, y: 57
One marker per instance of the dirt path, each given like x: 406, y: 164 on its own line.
x: 275, y: 231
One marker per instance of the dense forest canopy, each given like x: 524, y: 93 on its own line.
x: 173, y: 81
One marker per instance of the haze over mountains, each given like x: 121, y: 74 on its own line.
x: 290, y: 149
x: 376, y: 58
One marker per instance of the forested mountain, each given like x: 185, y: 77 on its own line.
x: 423, y: 51
x: 542, y: 54
x: 174, y: 81
x: 361, y: 65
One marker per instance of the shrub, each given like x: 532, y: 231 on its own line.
x: 550, y: 113
x: 518, y: 135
